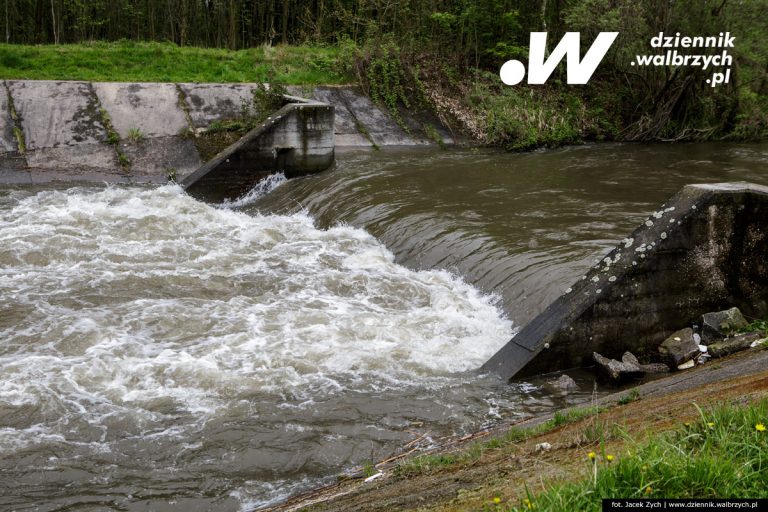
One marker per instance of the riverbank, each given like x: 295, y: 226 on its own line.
x: 499, y: 470
x: 402, y: 81
x: 131, y: 61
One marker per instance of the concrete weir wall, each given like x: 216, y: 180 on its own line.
x: 297, y: 139
x: 704, y: 250
x: 142, y: 132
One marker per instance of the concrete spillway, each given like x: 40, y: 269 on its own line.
x: 705, y: 249
x: 117, y: 132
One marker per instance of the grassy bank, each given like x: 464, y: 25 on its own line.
x: 128, y: 61
x: 723, y: 454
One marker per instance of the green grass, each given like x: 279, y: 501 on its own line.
x: 722, y: 455
x: 128, y: 61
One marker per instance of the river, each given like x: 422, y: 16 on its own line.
x: 159, y: 353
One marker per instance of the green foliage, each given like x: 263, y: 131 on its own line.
x: 20, y: 140
x: 135, y: 135
x: 526, y: 119
x: 760, y: 326
x: 630, y: 397
x: 266, y: 99
x: 124, y: 161
x: 385, y: 75
x: 128, y: 61
x: 721, y: 456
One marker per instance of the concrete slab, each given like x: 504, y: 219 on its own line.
x: 216, y: 102
x: 397, y: 139
x: 79, y: 159
x: 379, y: 125
x: 152, y: 159
x: 43, y: 176
x: 149, y: 107
x: 14, y: 176
x: 344, y: 122
x: 7, y: 140
x: 57, y: 113
x: 12, y: 161
x: 354, y: 140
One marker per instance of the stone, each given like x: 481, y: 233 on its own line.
x: 631, y: 359
x: 654, y: 368
x: 734, y: 344
x: 720, y: 324
x: 679, y: 348
x: 686, y: 365
x: 615, y: 371
x: 543, y: 447
x: 564, y: 384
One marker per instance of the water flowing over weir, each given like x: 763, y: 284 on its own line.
x: 160, y: 353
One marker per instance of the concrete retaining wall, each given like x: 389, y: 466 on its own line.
x: 297, y: 139
x: 704, y: 250
x: 64, y: 127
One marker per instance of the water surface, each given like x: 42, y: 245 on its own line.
x: 159, y: 353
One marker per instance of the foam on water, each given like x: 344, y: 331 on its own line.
x: 135, y: 312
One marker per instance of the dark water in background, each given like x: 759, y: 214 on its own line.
x: 158, y: 353
x: 523, y: 226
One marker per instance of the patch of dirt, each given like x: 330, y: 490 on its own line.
x: 507, y: 471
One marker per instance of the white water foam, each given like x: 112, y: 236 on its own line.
x: 131, y: 307
x: 261, y: 189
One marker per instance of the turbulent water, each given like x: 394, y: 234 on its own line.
x: 153, y: 346
x: 158, y: 353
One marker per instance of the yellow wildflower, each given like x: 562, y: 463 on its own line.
x: 591, y: 455
x: 609, y: 458
x: 496, y: 500
x: 648, y: 490
x: 760, y: 427
x: 711, y: 424
x: 687, y: 424
x: 528, y: 503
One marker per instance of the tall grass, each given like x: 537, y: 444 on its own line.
x: 128, y: 61
x: 722, y: 455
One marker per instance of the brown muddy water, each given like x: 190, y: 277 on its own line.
x: 158, y: 353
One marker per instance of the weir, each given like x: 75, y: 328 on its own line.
x: 703, y: 250
x: 298, y: 139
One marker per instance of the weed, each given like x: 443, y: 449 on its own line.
x: 135, y: 135
x: 21, y: 142
x: 760, y: 326
x: 171, y: 174
x: 125, y: 162
x: 431, y: 132
x: 630, y: 397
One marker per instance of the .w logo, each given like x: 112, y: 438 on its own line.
x: 579, y: 72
